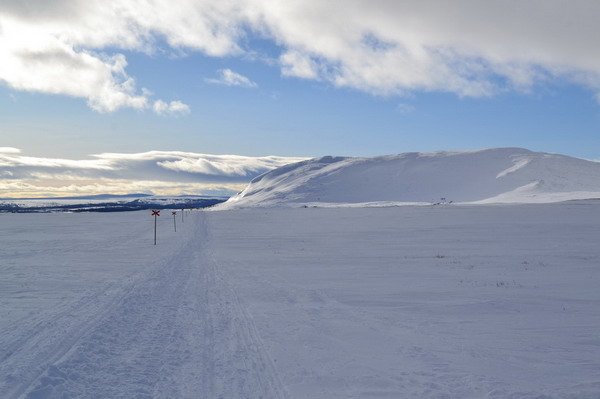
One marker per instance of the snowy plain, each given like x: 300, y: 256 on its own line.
x: 456, y: 301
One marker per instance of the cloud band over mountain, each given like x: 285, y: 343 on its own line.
x: 158, y: 172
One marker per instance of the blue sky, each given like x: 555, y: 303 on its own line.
x: 310, y: 85
x: 289, y: 116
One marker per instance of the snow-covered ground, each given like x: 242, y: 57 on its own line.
x: 497, y: 175
x: 398, y: 302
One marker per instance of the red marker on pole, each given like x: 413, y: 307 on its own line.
x: 155, y: 213
x: 174, y: 220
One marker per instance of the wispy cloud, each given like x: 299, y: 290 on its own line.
x: 172, y: 108
x: 227, y: 77
x: 9, y: 150
x: 159, y: 172
x: 298, y: 64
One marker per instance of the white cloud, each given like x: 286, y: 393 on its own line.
x: 57, y: 48
x: 172, y: 108
x: 228, y: 77
x: 16, y: 161
x: 297, y: 64
x: 9, y: 150
x: 386, y: 48
x: 227, y: 165
x: 32, y: 62
x: 58, y: 187
x: 161, y: 172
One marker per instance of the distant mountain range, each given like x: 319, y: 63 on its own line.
x: 500, y: 175
x: 107, y: 203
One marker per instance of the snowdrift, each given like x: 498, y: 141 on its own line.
x: 502, y: 175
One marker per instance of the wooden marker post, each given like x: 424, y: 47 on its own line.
x: 155, y: 213
x: 174, y: 221
x: 181, y: 215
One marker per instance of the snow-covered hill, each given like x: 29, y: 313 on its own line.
x: 501, y: 175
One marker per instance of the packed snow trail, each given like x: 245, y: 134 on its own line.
x: 179, y: 331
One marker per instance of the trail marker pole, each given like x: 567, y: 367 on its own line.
x: 155, y: 213
x: 174, y: 220
x: 181, y: 215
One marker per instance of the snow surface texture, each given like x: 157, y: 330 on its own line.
x: 503, y: 175
x: 403, y: 302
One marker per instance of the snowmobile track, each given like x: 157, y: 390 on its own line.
x: 181, y: 331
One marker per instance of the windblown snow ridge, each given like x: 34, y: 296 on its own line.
x: 500, y: 175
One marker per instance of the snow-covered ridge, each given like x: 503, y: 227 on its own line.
x: 500, y: 175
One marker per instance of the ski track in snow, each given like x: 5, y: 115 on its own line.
x: 178, y: 332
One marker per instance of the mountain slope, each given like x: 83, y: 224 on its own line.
x: 503, y: 175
